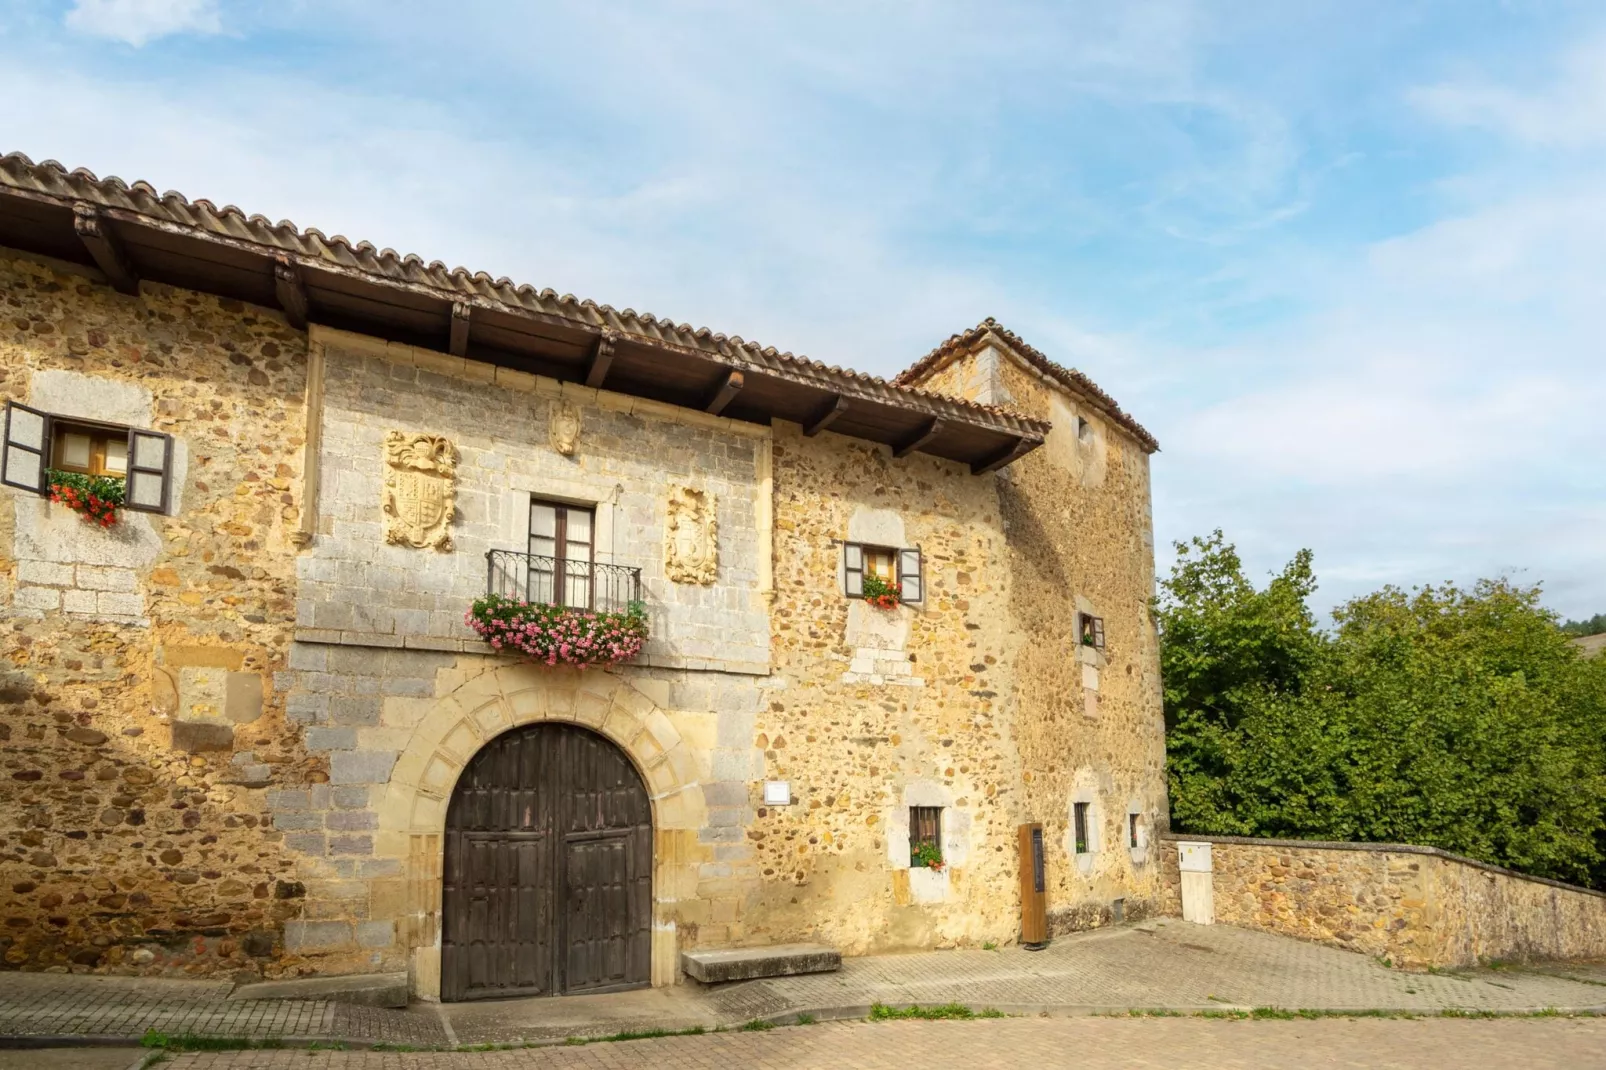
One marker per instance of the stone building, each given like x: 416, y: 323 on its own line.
x: 248, y: 727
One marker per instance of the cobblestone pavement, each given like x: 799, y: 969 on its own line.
x: 49, y: 1004
x: 1084, y: 1043
x: 1153, y: 965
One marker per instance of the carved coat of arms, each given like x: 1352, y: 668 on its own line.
x: 563, y: 427
x: 690, y: 537
x: 420, y: 490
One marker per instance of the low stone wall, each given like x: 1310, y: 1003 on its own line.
x: 1415, y: 906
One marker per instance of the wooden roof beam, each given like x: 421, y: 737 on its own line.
x: 827, y: 416
x: 457, y: 344
x: 105, y: 248
x: 291, y: 292
x: 601, y: 359
x: 1019, y: 448
x: 931, y: 430
x: 728, y: 388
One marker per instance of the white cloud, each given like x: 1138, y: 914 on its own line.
x: 137, y: 22
x: 1568, y: 112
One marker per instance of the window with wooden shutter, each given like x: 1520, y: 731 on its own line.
x: 150, y: 470
x: 910, y: 578
x: 1092, y: 631
x: 891, y: 566
x: 37, y: 443
x: 853, y: 569
x: 27, y: 441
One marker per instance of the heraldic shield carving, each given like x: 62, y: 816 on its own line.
x: 420, y: 490
x: 690, y: 537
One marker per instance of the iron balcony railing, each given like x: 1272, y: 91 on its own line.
x: 561, y: 582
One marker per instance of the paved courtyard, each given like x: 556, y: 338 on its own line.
x: 1084, y: 1043
x: 1162, y: 964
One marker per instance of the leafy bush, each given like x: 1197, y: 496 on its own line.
x: 557, y: 635
x: 1458, y: 719
x: 881, y: 594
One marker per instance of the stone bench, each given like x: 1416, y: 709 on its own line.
x: 749, y: 963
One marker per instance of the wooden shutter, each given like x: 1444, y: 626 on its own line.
x: 150, y: 470
x: 911, y: 579
x: 25, y: 457
x: 853, y: 569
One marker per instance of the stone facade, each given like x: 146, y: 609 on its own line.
x: 1417, y: 907
x: 285, y: 696
x: 138, y: 714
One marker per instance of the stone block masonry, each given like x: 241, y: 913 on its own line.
x: 1417, y: 907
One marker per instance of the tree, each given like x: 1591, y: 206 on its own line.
x: 1461, y: 719
x: 1595, y: 625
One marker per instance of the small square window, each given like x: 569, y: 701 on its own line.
x: 925, y: 836
x: 883, y: 569
x: 1092, y: 631
x: 36, y: 443
x: 1079, y: 817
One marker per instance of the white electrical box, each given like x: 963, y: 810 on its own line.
x: 1193, y: 857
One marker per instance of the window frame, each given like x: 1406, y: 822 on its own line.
x: 908, y: 569
x: 45, y: 451
x: 920, y: 816
x: 97, y: 432
x: 1090, y: 626
x: 1082, y: 828
x: 1133, y: 818
x: 560, y: 546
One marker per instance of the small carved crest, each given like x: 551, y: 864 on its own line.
x: 690, y: 537
x: 563, y: 427
x: 420, y: 490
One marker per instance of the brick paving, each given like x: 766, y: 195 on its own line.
x: 1084, y: 1043
x: 1159, y: 964
x: 63, y: 1005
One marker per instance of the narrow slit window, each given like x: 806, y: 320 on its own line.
x: 925, y: 835
x: 1079, y: 816
x: 1092, y: 631
x: 1132, y: 831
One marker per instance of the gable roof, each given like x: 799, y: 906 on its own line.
x: 1073, y: 380
x: 132, y: 232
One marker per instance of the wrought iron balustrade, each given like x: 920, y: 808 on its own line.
x: 561, y: 582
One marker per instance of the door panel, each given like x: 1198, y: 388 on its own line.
x: 548, y: 875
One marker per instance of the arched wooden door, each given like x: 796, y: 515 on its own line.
x: 548, y: 875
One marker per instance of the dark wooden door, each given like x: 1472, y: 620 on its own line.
x: 548, y: 875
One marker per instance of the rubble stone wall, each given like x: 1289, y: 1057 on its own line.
x: 1417, y: 907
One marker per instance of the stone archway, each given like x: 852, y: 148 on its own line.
x: 412, y: 817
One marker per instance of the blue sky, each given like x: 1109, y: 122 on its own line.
x: 1346, y: 260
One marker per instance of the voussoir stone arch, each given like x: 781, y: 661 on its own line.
x: 412, y: 817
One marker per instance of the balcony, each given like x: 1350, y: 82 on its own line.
x: 562, y: 582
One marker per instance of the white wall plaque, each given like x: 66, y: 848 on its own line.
x: 777, y: 793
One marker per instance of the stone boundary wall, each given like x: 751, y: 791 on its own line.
x: 1418, y: 907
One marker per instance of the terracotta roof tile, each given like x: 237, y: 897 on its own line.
x: 311, y: 248
x: 964, y: 342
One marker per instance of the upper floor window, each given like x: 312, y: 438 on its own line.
x: 38, y: 443
x: 925, y: 836
x: 561, y: 553
x: 1092, y: 631
x: 900, y: 568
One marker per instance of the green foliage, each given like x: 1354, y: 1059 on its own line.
x: 927, y: 855
x: 1593, y: 626
x: 194, y: 1042
x: 1458, y: 719
x: 95, y: 498
x: 881, y: 594
x: 881, y: 1012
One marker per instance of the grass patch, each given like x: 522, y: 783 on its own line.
x: 989, y: 945
x: 880, y: 1012
x: 195, y: 1042
x: 806, y: 1019
x: 632, y: 1034
x: 758, y: 1025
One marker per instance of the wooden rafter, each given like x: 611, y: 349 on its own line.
x: 290, y: 291
x: 601, y: 359
x: 105, y: 248
x: 826, y: 416
x: 457, y: 345
x: 1015, y: 450
x: 931, y: 430
x: 728, y: 388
